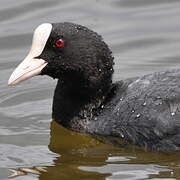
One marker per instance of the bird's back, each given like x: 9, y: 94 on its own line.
x: 144, y: 110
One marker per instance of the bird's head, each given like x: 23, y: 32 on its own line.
x: 69, y: 52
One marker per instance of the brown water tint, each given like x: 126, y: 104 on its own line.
x: 144, y: 37
x: 82, y: 157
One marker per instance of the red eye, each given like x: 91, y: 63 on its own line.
x: 59, y: 43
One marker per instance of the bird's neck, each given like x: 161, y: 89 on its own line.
x: 74, y: 106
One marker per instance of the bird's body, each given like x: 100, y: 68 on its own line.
x: 144, y: 111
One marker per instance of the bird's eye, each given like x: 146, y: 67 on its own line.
x: 59, y: 43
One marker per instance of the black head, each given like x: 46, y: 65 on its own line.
x: 72, y: 53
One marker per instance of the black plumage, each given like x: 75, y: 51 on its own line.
x: 143, y: 110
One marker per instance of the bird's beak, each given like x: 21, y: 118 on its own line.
x: 32, y: 66
x: 28, y: 68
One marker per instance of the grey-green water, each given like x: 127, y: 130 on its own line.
x: 144, y: 36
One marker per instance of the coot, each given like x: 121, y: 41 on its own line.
x: 144, y: 111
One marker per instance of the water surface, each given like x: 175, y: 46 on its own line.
x: 144, y: 37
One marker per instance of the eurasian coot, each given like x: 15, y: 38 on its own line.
x: 143, y: 110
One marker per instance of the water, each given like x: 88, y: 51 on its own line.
x: 144, y: 37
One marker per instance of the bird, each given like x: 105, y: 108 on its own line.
x: 143, y: 111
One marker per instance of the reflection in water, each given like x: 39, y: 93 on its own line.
x: 82, y: 157
x: 24, y: 171
x: 76, y: 150
x: 83, y: 154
